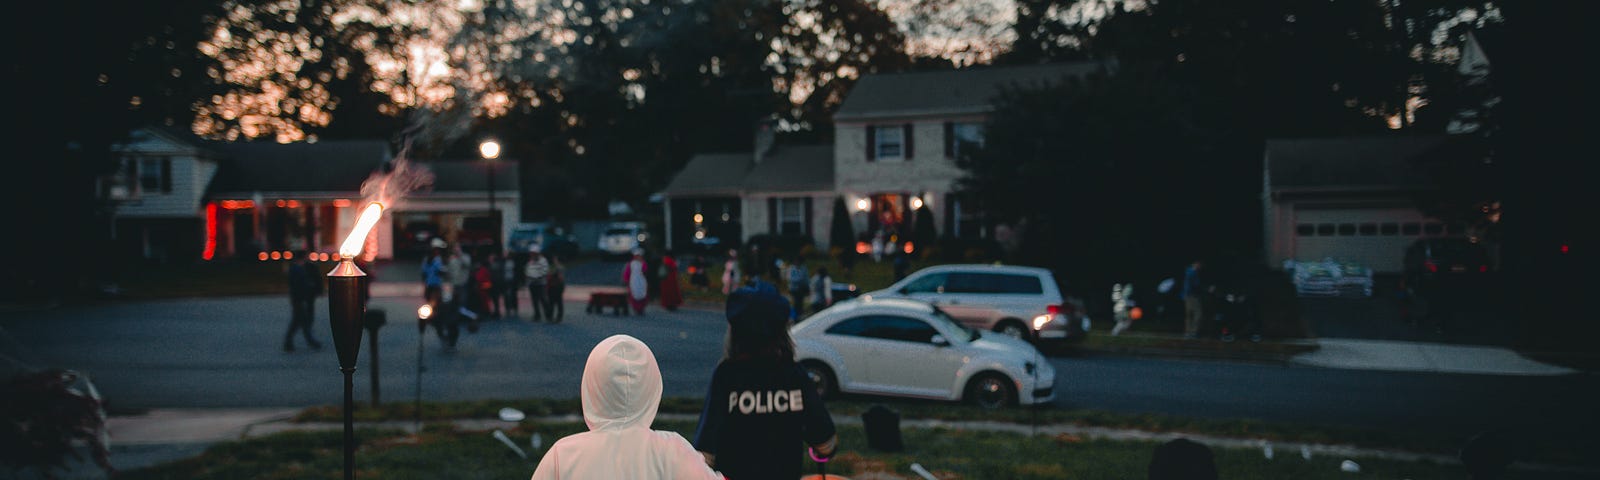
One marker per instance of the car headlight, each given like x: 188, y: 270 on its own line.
x: 1040, y: 321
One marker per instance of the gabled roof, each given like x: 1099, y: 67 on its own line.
x: 325, y: 166
x: 801, y: 168
x: 1364, y: 162
x: 710, y: 174
x: 789, y: 168
x: 950, y: 92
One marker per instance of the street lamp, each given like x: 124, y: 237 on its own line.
x: 490, y: 150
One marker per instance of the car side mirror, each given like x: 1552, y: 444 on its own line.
x: 939, y: 341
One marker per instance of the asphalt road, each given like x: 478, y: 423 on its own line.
x: 224, y: 352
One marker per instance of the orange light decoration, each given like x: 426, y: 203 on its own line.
x: 210, y: 250
x: 863, y: 248
x: 294, y: 204
x: 1136, y: 313
x: 908, y: 248
x: 238, y: 204
x: 262, y: 256
x: 288, y: 255
x: 341, y: 203
x: 358, y: 236
x: 277, y: 255
x: 282, y: 203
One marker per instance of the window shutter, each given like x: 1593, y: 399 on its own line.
x: 772, y: 215
x: 166, y: 175
x: 806, y: 226
x: 872, y: 143
x: 908, y: 142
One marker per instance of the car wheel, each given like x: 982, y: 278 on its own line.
x: 822, y: 377
x: 991, y: 391
x: 1013, y: 329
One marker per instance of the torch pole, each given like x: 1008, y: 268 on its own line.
x: 346, y: 312
x: 422, y: 332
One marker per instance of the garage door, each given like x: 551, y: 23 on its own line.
x: 1372, y: 237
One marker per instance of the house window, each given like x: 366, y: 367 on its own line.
x: 1433, y: 228
x: 889, y: 142
x: 1325, y: 229
x: 120, y: 185
x: 791, y: 216
x: 1411, y: 228
x: 1347, y: 229
x: 958, y: 135
x: 1369, y: 229
x: 1390, y: 229
x: 1305, y: 230
x: 155, y: 174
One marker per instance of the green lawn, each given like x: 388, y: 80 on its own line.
x: 909, y: 409
x: 441, y: 452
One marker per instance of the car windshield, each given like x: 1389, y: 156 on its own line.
x: 619, y: 231
x: 972, y: 333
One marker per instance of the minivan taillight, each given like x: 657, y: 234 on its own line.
x: 1432, y: 267
x: 1059, y: 309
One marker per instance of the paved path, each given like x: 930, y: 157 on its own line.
x: 1424, y: 357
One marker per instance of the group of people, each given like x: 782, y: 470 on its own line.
x: 806, y: 289
x: 760, y: 411
x: 487, y: 286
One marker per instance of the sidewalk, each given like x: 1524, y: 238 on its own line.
x: 1400, y: 356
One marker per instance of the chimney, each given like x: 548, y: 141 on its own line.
x: 766, y: 139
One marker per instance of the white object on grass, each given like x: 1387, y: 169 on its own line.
x: 536, y: 441
x: 1348, y: 466
x: 1305, y: 452
x: 923, y: 472
x: 511, y: 415
x: 1266, y: 451
x: 501, y: 436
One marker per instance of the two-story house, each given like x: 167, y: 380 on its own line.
x: 896, y: 138
x: 177, y: 197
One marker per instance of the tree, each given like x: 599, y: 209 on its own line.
x: 842, y: 233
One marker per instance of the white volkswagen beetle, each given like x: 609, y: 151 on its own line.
x: 900, y: 347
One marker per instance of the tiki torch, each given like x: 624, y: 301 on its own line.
x: 346, y: 312
x: 423, y: 312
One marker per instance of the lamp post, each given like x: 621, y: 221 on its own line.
x: 490, y: 150
x: 423, y: 312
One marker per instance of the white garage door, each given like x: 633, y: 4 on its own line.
x: 1372, y: 237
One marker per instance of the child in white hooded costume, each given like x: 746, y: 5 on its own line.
x: 621, y: 391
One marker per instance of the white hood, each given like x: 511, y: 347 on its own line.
x: 621, y: 385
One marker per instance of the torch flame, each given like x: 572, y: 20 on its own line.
x: 358, y: 236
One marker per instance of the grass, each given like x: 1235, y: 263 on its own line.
x: 442, y: 452
x: 916, y: 409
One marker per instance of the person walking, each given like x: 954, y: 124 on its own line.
x: 1193, y: 295
x: 671, y: 292
x: 620, y: 393
x: 761, y: 407
x: 305, y: 285
x: 482, y: 281
x: 633, y: 277
x: 799, y: 284
x: 537, y: 271
x: 555, y: 306
x: 434, y: 278
x: 730, y: 272
x: 458, y: 266
x: 821, y: 290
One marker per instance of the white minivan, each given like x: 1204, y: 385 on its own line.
x: 1022, y: 302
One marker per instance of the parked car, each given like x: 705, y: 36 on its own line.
x: 1022, y: 302
x: 552, y: 240
x: 622, y: 237
x: 885, y: 346
x: 1440, y: 273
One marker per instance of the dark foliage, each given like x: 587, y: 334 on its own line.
x: 46, y: 414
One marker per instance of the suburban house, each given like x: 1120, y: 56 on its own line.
x: 179, y: 197
x: 896, y: 138
x: 1350, y: 199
